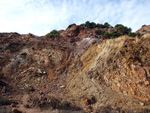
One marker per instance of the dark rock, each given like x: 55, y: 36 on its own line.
x: 92, y: 99
x: 16, y: 111
x: 26, y: 106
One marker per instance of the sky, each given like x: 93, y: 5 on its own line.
x: 39, y: 17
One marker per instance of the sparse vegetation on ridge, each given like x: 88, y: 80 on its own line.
x: 118, y: 31
x: 88, y: 24
x: 106, y: 30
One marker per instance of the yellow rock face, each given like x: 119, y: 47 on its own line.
x: 122, y: 63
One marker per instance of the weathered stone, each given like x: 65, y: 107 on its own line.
x: 92, y: 99
x: 85, y: 101
x: 16, y: 111
x: 62, y: 86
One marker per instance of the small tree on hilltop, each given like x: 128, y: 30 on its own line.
x: 143, y: 25
x: 107, y: 25
x: 89, y: 24
x: 123, y: 29
x: 52, y: 34
x: 92, y: 25
x: 100, y: 25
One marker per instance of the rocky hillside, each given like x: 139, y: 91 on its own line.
x: 81, y: 71
x: 145, y: 29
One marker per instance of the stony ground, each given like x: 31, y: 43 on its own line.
x: 79, y: 72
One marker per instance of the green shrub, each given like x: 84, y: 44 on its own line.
x: 99, y: 25
x: 143, y: 25
x: 123, y: 29
x: 89, y: 24
x: 115, y: 34
x: 139, y: 35
x: 107, y: 25
x: 132, y: 34
x: 52, y: 34
x: 104, y: 33
x: 92, y: 25
x: 100, y: 32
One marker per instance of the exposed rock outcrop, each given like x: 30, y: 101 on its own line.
x: 79, y: 70
x: 145, y: 29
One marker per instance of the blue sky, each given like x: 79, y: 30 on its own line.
x: 41, y: 16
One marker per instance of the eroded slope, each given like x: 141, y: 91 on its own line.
x: 71, y: 73
x: 113, y: 71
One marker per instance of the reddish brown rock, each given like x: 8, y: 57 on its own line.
x: 144, y: 29
x: 114, y: 72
